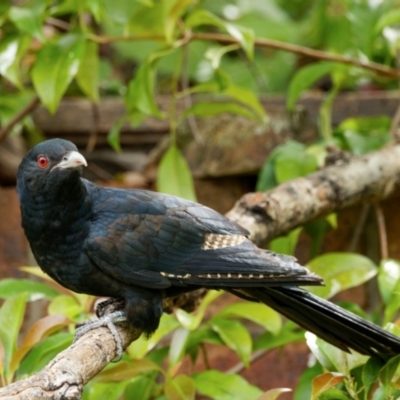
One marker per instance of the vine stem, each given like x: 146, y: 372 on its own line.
x: 261, y: 42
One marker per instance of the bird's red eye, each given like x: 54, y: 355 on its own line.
x: 42, y: 161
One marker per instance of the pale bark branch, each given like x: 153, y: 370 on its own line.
x: 372, y: 177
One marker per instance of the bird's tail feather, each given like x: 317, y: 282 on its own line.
x: 328, y: 321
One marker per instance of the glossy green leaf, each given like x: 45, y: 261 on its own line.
x: 140, y: 387
x: 88, y: 72
x: 125, y: 371
x: 235, y: 336
x: 176, y: 10
x: 334, y: 394
x: 258, y: 313
x: 215, y: 54
x: 289, y: 333
x: 45, y: 351
x: 389, y: 369
x: 244, y: 35
x: 192, y: 320
x: 12, y: 48
x: 29, y: 19
x: 113, y: 137
x: 174, y: 176
x: 389, y: 275
x: 216, y: 108
x: 65, y: 305
x: 220, y: 386
x: 34, y: 290
x: 140, y: 94
x: 304, y: 79
x: 370, y: 374
x: 273, y: 394
x: 139, y: 348
x: 181, y: 387
x: 56, y: 65
x: 341, y: 271
x: 178, y: 345
x: 303, y: 387
x: 391, y: 17
x: 332, y: 358
x: 11, y: 316
x: 286, y: 244
x: 105, y: 391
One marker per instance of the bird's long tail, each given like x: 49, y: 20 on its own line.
x: 328, y: 321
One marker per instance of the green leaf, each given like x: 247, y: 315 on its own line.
x: 341, y: 271
x: 34, y: 290
x: 139, y: 348
x: 192, y: 320
x: 208, y: 109
x: 174, y: 176
x: 105, y: 391
x: 370, y: 374
x: 235, y: 336
x: 140, y: 388
x: 29, y: 20
x: 221, y: 386
x: 388, y: 279
x: 12, y: 48
x: 304, y: 79
x: 113, y: 137
x: 387, y: 372
x: 303, y: 387
x: 391, y: 17
x: 245, y: 36
x: 333, y: 358
x: 289, y: 333
x: 273, y: 394
x: 178, y: 345
x: 258, y: 313
x: 286, y: 244
x: 65, y: 305
x: 45, y: 351
x: 11, y: 316
x: 174, y: 13
x: 214, y: 54
x: 181, y: 387
x: 56, y: 65
x: 140, y: 94
x: 124, y: 371
x: 88, y: 72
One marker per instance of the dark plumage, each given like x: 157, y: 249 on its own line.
x: 143, y: 246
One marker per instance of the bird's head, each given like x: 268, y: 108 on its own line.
x: 50, y: 164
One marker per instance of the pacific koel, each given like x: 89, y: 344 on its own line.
x: 141, y: 247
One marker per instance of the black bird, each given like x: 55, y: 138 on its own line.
x: 140, y: 247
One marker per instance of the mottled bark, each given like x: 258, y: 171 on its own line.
x: 370, y: 178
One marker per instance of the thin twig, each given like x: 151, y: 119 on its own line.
x: 362, y: 219
x: 260, y: 42
x: 239, y: 367
x: 18, y: 117
x: 205, y: 356
x: 59, y: 24
x: 383, y: 242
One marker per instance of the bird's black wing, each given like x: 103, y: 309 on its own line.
x: 154, y: 240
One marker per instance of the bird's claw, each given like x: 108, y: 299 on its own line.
x: 109, y: 321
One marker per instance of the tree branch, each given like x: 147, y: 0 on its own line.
x: 260, y: 42
x: 372, y: 177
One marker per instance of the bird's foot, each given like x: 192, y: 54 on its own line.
x: 109, y: 321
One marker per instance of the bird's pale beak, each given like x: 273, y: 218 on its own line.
x: 73, y: 159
